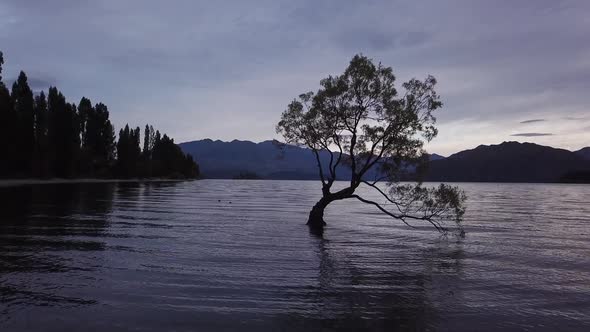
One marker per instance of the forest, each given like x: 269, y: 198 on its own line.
x: 42, y: 135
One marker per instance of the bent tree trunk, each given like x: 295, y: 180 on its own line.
x: 316, y: 215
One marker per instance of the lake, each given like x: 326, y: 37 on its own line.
x: 236, y: 255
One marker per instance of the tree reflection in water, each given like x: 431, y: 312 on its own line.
x: 42, y: 227
x: 356, y: 294
x: 88, y: 251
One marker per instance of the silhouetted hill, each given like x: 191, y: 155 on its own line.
x: 507, y: 162
x: 268, y: 160
x: 584, y: 153
x: 435, y: 156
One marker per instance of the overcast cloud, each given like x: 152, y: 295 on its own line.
x: 532, y: 134
x: 227, y: 69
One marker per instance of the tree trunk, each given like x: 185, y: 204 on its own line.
x: 316, y: 215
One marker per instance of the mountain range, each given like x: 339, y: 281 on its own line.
x: 267, y: 160
x: 505, y: 162
x: 584, y: 153
x: 508, y: 162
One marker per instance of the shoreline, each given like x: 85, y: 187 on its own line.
x: 25, y: 182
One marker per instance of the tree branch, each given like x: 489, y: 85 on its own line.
x: 401, y: 217
x: 404, y: 216
x: 384, y: 195
x: 337, y: 141
x: 317, y: 158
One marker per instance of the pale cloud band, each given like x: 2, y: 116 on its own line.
x: 533, y: 121
x: 532, y: 134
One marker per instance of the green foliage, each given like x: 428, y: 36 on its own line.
x: 8, y: 121
x: 63, y: 135
x: 435, y: 205
x: 1, y: 63
x: 47, y: 137
x: 361, y: 114
x: 40, y: 153
x: 161, y: 157
x: 168, y: 158
x: 147, y: 144
x: 128, y: 152
x: 363, y: 122
x: 22, y: 100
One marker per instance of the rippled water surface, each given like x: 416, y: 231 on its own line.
x: 236, y: 255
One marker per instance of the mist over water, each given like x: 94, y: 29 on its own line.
x: 231, y: 254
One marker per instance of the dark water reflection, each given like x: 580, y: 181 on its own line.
x: 229, y: 255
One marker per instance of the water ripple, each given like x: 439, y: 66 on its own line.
x: 228, y: 255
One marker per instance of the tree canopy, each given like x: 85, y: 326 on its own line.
x: 362, y: 120
x: 43, y: 135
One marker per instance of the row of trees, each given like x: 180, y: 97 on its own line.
x: 42, y: 135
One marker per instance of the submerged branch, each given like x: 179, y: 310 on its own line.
x: 400, y: 217
x: 433, y: 205
x: 372, y: 185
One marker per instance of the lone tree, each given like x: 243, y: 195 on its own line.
x: 361, y: 121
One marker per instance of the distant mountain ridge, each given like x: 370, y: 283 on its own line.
x: 506, y: 162
x: 268, y: 160
x: 584, y: 153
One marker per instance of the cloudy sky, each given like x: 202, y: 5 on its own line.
x: 507, y: 70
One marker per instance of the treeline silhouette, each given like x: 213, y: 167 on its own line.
x: 45, y: 136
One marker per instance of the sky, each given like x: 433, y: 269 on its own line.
x: 506, y: 70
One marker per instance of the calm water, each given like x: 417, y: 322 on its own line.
x: 229, y: 255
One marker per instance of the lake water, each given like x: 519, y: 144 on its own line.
x: 236, y: 255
